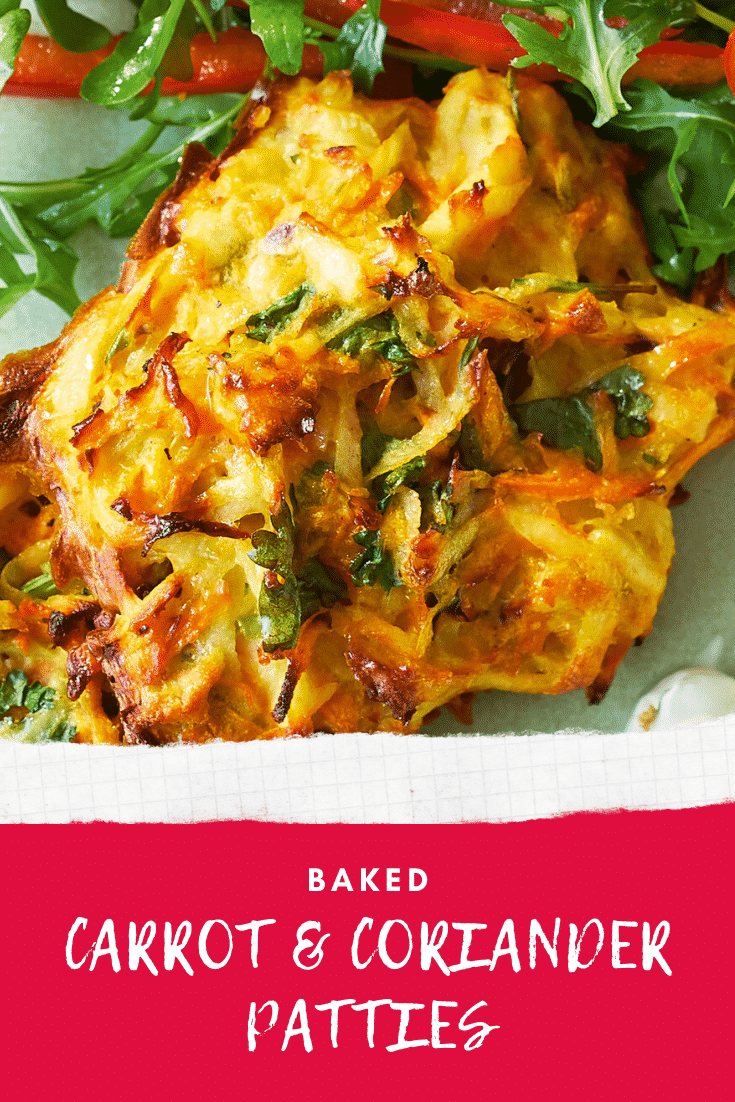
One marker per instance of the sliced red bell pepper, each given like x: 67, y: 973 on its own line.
x: 485, y: 41
x: 235, y: 61
x: 729, y: 61
x: 232, y: 64
x: 678, y: 62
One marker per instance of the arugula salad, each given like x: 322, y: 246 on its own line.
x: 649, y: 72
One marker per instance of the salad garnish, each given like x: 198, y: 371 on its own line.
x: 653, y: 73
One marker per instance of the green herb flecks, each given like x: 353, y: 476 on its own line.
x: 631, y: 404
x: 15, y: 692
x: 310, y: 490
x: 469, y: 446
x: 319, y: 587
x: 288, y: 599
x: 436, y: 509
x: 569, y: 422
x: 268, y: 323
x: 378, y: 336
x: 385, y: 486
x: 120, y: 342
x: 279, y: 606
x: 375, y: 565
x: 372, y: 446
x: 563, y: 422
x: 42, y: 586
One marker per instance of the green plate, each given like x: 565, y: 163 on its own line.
x: 695, y: 625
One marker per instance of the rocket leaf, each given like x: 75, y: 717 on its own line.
x: 358, y: 47
x: 587, y: 49
x: 279, y: 24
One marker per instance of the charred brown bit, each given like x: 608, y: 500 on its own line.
x: 63, y: 627
x: 396, y: 688
x: 679, y: 496
x: 293, y: 672
x: 158, y: 229
x: 420, y: 281
x: 78, y: 429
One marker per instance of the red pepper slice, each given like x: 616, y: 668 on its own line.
x: 446, y: 27
x: 729, y: 60
x: 232, y: 64
x: 235, y: 61
x: 477, y: 39
x: 677, y: 62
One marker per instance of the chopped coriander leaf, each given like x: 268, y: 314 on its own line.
x: 15, y: 692
x: 310, y: 490
x: 386, y: 485
x: 266, y: 324
x: 319, y: 587
x: 288, y: 599
x: 376, y: 335
x: 563, y: 422
x: 569, y: 422
x: 62, y: 732
x: 468, y: 352
x: 631, y: 404
x: 375, y: 565
x: 249, y: 626
x: 42, y: 586
x: 280, y: 615
x: 470, y: 448
x: 278, y: 606
x: 436, y: 510
x: 373, y: 444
